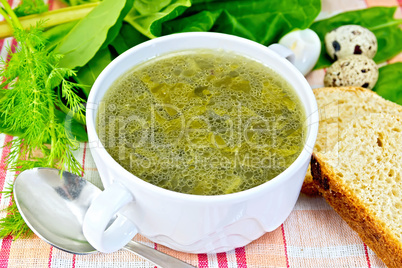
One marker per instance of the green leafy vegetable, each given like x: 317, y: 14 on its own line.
x: 30, y: 7
x: 57, y: 33
x: 127, y: 38
x: 115, y: 29
x: 74, y: 129
x: 389, y: 84
x: 28, y: 102
x: 147, y: 16
x: 262, y: 21
x: 200, y: 22
x: 88, y: 36
x: 90, y: 71
x: 379, y: 20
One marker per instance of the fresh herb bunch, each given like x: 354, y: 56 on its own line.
x: 31, y: 7
x: 28, y: 102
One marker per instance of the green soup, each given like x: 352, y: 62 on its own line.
x: 202, y: 122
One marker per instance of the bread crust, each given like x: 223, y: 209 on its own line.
x: 308, y: 186
x: 370, y: 229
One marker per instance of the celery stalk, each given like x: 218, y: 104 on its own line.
x: 50, y: 18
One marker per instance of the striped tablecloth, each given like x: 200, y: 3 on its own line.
x: 313, y: 235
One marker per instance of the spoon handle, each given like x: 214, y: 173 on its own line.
x: 158, y: 258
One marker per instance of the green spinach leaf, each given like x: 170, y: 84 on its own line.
x: 379, y: 20
x: 87, y: 37
x: 55, y: 34
x: 115, y: 29
x: 87, y: 74
x: 389, y: 84
x: 127, y: 38
x: 202, y: 21
x: 261, y: 21
x: 147, y: 16
x: 73, y: 128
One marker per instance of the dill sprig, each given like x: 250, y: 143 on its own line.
x: 28, y: 101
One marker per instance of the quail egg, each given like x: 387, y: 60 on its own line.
x: 350, y: 40
x: 354, y: 70
x: 306, y: 46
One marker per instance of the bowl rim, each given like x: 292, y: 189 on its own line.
x: 312, y: 118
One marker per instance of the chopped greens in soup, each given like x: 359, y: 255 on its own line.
x: 202, y: 122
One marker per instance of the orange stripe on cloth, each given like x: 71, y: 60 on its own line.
x: 267, y: 251
x: 300, y: 223
x: 306, y: 248
x: 29, y: 252
x: 388, y: 3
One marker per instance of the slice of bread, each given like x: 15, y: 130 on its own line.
x: 337, y: 107
x: 361, y: 178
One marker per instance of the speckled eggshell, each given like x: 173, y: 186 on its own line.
x: 350, y: 40
x: 355, y: 70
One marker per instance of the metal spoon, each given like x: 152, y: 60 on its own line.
x: 54, y: 207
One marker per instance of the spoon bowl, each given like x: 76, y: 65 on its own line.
x: 53, y: 205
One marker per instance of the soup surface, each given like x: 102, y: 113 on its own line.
x: 202, y: 122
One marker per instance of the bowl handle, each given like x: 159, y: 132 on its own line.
x: 283, y: 51
x: 103, y: 211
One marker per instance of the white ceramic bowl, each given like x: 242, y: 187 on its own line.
x: 191, y: 223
